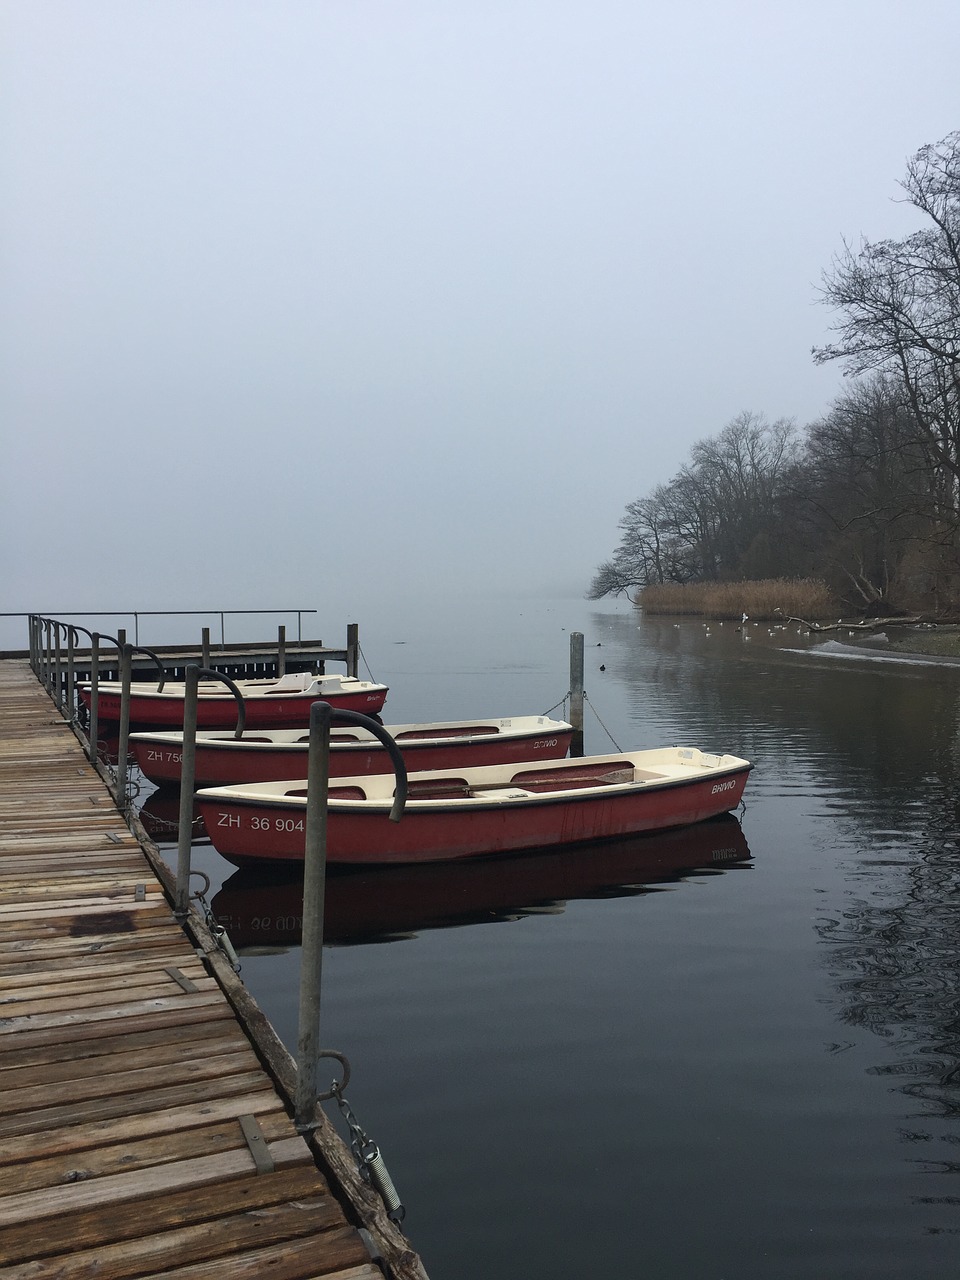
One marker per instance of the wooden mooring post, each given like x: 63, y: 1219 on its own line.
x: 576, y: 692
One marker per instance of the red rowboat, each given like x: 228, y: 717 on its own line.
x: 262, y: 904
x: 280, y: 754
x: 281, y: 702
x: 503, y: 808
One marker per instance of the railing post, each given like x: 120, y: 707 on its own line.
x: 57, y: 667
x: 126, y: 666
x: 353, y: 649
x: 48, y: 656
x: 314, y: 892
x: 71, y: 694
x: 93, y: 729
x: 576, y: 692
x: 281, y: 651
x: 188, y: 763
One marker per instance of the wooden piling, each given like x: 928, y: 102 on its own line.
x: 576, y: 692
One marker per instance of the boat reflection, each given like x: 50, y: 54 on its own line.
x: 262, y: 906
x: 160, y: 815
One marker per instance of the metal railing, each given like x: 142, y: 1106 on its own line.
x: 137, y: 614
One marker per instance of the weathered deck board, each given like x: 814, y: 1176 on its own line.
x: 124, y: 1072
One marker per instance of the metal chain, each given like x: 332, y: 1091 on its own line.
x: 561, y: 703
x: 600, y: 722
x: 369, y: 1160
x: 217, y: 931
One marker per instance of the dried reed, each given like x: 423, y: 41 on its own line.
x: 768, y: 598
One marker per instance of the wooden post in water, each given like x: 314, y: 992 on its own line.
x: 281, y: 651
x: 205, y: 647
x: 353, y: 649
x: 576, y: 692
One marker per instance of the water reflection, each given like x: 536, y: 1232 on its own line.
x: 264, y: 907
x: 703, y: 1032
x: 894, y: 956
x: 160, y: 815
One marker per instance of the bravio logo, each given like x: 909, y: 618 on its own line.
x: 723, y: 786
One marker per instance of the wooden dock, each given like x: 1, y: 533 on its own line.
x: 143, y: 1127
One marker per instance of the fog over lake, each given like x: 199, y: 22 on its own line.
x: 310, y: 304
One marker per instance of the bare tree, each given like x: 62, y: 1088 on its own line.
x: 899, y: 310
x: 867, y: 490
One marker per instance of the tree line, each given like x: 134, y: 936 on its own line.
x: 867, y: 498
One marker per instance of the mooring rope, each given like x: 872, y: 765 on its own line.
x: 366, y: 663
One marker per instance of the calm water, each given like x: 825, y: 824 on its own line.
x: 730, y: 1052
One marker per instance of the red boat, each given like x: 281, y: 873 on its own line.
x: 474, y: 812
x: 281, y: 702
x: 280, y: 754
x: 262, y: 905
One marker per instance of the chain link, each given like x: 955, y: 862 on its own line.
x: 217, y: 931
x: 370, y: 1163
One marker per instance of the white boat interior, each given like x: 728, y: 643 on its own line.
x: 546, y: 781
x: 349, y: 735
x: 301, y: 682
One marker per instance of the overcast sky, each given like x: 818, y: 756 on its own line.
x: 310, y: 301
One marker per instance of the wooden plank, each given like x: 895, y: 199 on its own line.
x: 60, y: 1167
x: 92, y: 1030
x: 82, y: 1043
x: 107, y: 1013
x: 95, y: 969
x: 45, y: 1119
x: 90, y: 996
x: 71, y: 1141
x: 83, y: 1088
x: 296, y: 1260
x: 122, y: 1188
x: 202, y: 1242
x: 107, y: 1065
x: 91, y: 1228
